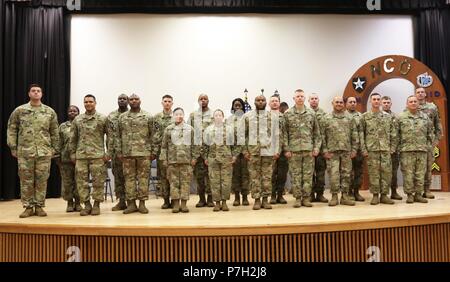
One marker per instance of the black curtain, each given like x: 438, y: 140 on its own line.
x: 35, y: 50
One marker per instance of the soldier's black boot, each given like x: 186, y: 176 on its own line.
x: 183, y: 207
x: 334, y: 200
x: 217, y: 206
x: 202, y: 202
x: 345, y: 200
x: 142, y: 208
x: 265, y: 204
x: 257, y: 204
x: 320, y: 198
x: 39, y: 211
x: 96, y: 208
x: 351, y: 194
x: 224, y: 206
x: 419, y: 199
x: 375, y: 200
x: 27, y: 213
x: 280, y: 199
x: 166, y: 204
x: 69, y: 206
x: 306, y: 202
x: 385, y: 200
x: 395, y: 195
x: 245, y: 200
x: 358, y: 196
x: 87, y: 209
x: 237, y: 200
x: 131, y: 207
x: 209, y: 201
x: 427, y: 194
x: 175, y: 206
x: 120, y: 206
x: 77, y: 207
x: 410, y: 199
x: 273, y: 198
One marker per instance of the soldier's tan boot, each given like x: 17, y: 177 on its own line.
x: 237, y: 200
x: 320, y: 198
x: 427, y: 194
x: 334, y: 200
x: 209, y: 201
x: 202, y: 202
x: 166, y: 204
x: 385, y: 200
x: 87, y: 209
x: 273, y: 199
x: 306, y: 202
x: 96, y: 208
x: 358, y: 196
x: 131, y: 207
x: 395, y: 195
x: 375, y: 200
x: 184, y: 207
x: 419, y: 199
x: 142, y: 208
x: 257, y: 204
x: 120, y: 206
x: 27, y: 213
x: 224, y: 206
x: 345, y: 200
x: 39, y: 211
x: 217, y: 206
x: 70, y: 206
x: 265, y: 204
x: 175, y: 206
x: 410, y: 199
x: 77, y: 207
x: 298, y: 202
x: 280, y: 199
x: 245, y: 200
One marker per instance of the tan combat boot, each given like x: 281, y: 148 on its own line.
x: 39, y: 211
x: 375, y: 200
x: 87, y: 209
x: 166, y: 204
x: 245, y: 200
x: 306, y: 202
x: 265, y: 204
x: 27, y: 213
x: 385, y: 200
x: 427, y: 194
x: 217, y: 206
x: 410, y: 199
x: 334, y: 200
x: 257, y: 204
x: 78, y: 207
x: 280, y: 199
x: 224, y: 206
x: 70, y: 206
x: 298, y: 202
x: 131, y: 207
x: 96, y: 208
x: 183, y: 207
x: 345, y: 200
x: 419, y: 199
x: 237, y: 200
x: 273, y: 199
x: 175, y: 206
x: 320, y: 198
x: 142, y: 208
x: 120, y: 206
x: 209, y: 201
x: 395, y: 195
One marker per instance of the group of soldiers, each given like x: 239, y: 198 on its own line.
x: 249, y: 152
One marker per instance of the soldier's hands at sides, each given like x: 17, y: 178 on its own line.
x: 152, y: 157
x: 352, y: 155
x: 288, y: 155
x: 106, y: 159
x: 206, y: 162
x: 365, y: 154
x: 327, y: 155
x: 233, y: 160
x: 14, y: 155
x: 276, y: 156
x: 247, y: 156
x: 315, y: 153
x: 193, y: 162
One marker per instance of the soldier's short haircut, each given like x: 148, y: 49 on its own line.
x: 219, y: 110
x: 410, y: 96
x: 284, y: 104
x: 33, y: 85
x: 276, y: 95
x: 178, y: 109
x: 386, y: 98
x: 90, y: 95
x: 374, y: 94
x: 202, y: 95
x: 299, y: 90
x: 346, y: 99
x: 167, y: 96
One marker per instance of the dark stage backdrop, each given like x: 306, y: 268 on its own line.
x: 36, y: 33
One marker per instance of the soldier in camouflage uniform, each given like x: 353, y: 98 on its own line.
x: 200, y: 120
x: 66, y: 167
x: 160, y: 122
x: 87, y: 151
x: 117, y: 170
x: 415, y: 138
x: 301, y: 142
x: 386, y: 104
x: 179, y: 154
x: 240, y: 176
x: 433, y: 114
x: 33, y: 139
x: 134, y: 149
x: 320, y: 164
x: 281, y: 166
x: 378, y: 142
x: 261, y: 150
x: 340, y: 143
x: 219, y: 139
x: 358, y: 161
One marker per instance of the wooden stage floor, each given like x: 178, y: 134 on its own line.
x: 241, y: 220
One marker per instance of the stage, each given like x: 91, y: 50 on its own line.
x: 400, y: 232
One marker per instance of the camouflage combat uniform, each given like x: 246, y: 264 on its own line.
x: 281, y: 166
x: 320, y: 164
x: 357, y: 162
x: 117, y: 167
x: 67, y: 168
x: 395, y: 157
x: 240, y: 178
